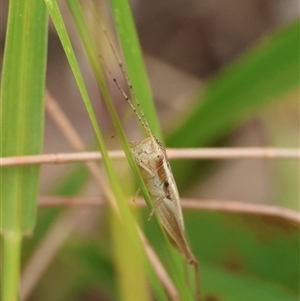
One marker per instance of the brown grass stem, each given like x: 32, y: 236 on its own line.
x: 173, y: 154
x: 186, y: 203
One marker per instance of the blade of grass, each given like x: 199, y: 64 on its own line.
x: 135, y: 67
x: 127, y: 219
x: 64, y: 38
x: 94, y: 62
x: 134, y: 62
x: 21, y: 119
x: 90, y: 49
x: 130, y: 288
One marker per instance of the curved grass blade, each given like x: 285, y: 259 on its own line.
x: 94, y: 61
x: 125, y: 214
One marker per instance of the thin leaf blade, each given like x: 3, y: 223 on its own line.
x: 256, y: 80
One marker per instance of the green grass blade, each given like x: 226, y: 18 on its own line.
x: 134, y: 62
x: 22, y: 110
x: 126, y: 216
x: 66, y: 43
x: 138, y: 77
x: 92, y: 54
x: 257, y: 79
x: 21, y: 122
x: 90, y: 49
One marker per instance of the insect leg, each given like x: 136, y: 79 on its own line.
x: 192, y: 261
x: 145, y: 167
x: 155, y: 205
x: 136, y: 194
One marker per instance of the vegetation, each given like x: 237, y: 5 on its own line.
x: 83, y: 253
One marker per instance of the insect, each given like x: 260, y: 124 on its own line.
x: 151, y: 158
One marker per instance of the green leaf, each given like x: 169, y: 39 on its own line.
x: 22, y: 110
x: 257, y: 79
x: 21, y: 123
x: 243, y: 257
x: 251, y: 249
x: 134, y: 62
x: 124, y: 211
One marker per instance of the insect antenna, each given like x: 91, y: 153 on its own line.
x: 139, y: 113
x: 141, y: 117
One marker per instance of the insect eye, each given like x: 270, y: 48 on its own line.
x: 157, y: 156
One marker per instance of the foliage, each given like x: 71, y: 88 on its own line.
x: 242, y: 257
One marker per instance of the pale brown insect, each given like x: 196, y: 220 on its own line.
x: 152, y: 161
x: 151, y: 157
